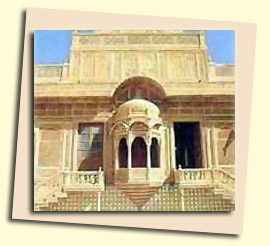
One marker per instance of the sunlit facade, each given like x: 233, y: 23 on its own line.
x: 134, y: 121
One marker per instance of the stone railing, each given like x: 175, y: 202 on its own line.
x: 80, y: 180
x: 222, y: 182
x: 47, y: 189
x: 194, y: 177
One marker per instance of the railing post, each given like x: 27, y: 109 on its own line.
x: 99, y: 201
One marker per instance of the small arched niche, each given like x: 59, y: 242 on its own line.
x: 155, y: 153
x: 138, y: 153
x: 123, y: 153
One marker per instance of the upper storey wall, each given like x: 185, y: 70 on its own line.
x: 103, y: 60
x: 116, y: 56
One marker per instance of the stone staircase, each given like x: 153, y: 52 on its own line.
x: 194, y: 190
x: 48, y: 190
x: 129, y: 198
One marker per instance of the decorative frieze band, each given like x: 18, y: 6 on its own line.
x: 140, y: 39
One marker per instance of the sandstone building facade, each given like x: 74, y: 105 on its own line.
x: 134, y: 121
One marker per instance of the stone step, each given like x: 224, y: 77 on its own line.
x: 136, y: 197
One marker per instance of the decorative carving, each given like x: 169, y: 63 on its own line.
x: 125, y: 124
x: 141, y: 37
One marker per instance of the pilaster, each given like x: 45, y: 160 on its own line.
x: 75, y: 149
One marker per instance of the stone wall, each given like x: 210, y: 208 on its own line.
x: 162, y: 66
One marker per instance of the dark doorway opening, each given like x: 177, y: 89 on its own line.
x: 90, y: 146
x: 138, y: 152
x: 188, y: 144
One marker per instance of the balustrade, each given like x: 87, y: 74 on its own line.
x: 84, y: 180
x: 215, y: 177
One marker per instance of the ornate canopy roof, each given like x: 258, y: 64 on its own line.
x: 138, y: 107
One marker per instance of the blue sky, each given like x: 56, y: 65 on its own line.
x: 52, y: 47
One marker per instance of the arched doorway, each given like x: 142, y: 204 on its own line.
x: 138, y: 153
x: 155, y: 153
x: 123, y: 153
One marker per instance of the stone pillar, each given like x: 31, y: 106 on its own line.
x: 214, y: 146
x: 75, y: 149
x: 208, y: 148
x: 64, y: 149
x: 68, y: 156
x: 37, y: 137
x: 129, y: 142
x: 81, y: 66
x: 116, y: 157
x: 104, y: 146
x: 148, y: 144
x: 70, y: 150
x: 172, y: 142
